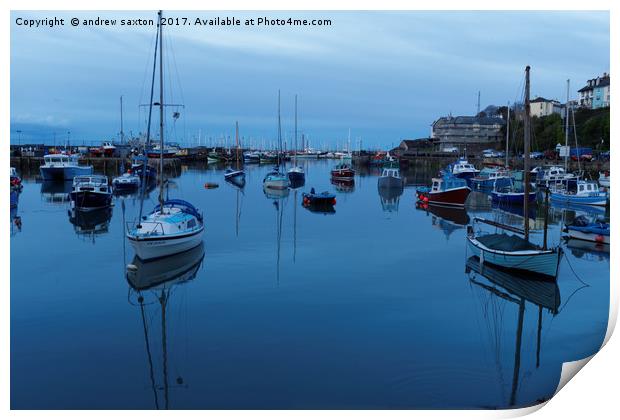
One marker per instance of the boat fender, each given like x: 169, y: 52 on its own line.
x: 599, y: 238
x: 132, y: 267
x: 334, y: 201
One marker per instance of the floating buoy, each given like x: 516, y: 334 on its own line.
x: 599, y: 238
x: 211, y: 185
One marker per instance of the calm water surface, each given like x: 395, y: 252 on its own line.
x: 372, y: 306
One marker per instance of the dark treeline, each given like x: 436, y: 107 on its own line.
x: 592, y: 128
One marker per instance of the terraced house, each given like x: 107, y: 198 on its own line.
x: 595, y: 94
x: 466, y: 131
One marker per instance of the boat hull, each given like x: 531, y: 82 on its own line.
x: 541, y: 262
x: 511, y: 197
x: 454, y: 197
x: 64, y: 173
x: 297, y: 178
x: 343, y: 175
x: 600, y: 200
x: 90, y: 199
x: 159, y: 246
x: 389, y: 182
x: 587, y: 236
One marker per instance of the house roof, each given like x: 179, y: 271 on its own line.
x: 602, y: 82
x: 471, y: 120
x: 541, y: 99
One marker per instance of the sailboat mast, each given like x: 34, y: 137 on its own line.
x: 161, y: 114
x: 566, y: 125
x: 237, y: 140
x: 295, y: 153
x: 147, y: 142
x: 122, y: 133
x: 279, y: 131
x: 526, y: 157
x: 507, y: 133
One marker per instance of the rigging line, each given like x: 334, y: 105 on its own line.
x: 148, y: 352
x: 576, y: 275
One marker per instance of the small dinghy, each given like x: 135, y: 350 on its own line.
x: 321, y: 199
x: 584, y: 229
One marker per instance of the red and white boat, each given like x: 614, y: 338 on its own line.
x: 106, y: 149
x: 445, y: 191
x: 343, y: 172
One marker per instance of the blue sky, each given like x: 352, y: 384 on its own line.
x: 384, y: 75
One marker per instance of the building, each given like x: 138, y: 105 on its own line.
x: 467, y: 131
x: 595, y: 94
x: 541, y: 107
x: 414, y: 145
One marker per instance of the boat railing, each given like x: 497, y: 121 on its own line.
x: 131, y: 228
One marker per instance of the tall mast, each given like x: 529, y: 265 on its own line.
x: 161, y: 115
x: 147, y: 142
x: 566, y: 124
x: 237, y: 140
x: 122, y: 133
x: 507, y: 133
x: 279, y: 131
x: 295, y: 155
x: 526, y: 156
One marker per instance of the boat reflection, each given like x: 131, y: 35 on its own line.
x: 152, y: 284
x: 586, y: 250
x: 275, y: 194
x: 345, y: 186
x: 390, y: 198
x: 56, y: 192
x: 513, y: 287
x: 90, y: 223
x: 16, y: 221
x: 448, y: 219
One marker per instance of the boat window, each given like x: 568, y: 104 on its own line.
x: 581, y: 188
x: 191, y: 223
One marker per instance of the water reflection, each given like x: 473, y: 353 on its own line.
x: 519, y: 289
x: 390, y: 197
x: 344, y: 186
x: 448, y: 219
x: 153, y: 285
x: 88, y: 224
x: 586, y: 250
x: 56, y: 192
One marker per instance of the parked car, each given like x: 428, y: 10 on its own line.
x: 551, y: 154
x: 450, y: 150
x: 582, y: 158
x: 537, y: 155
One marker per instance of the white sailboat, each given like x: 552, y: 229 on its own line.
x: 173, y: 226
x: 513, y: 251
x: 276, y: 180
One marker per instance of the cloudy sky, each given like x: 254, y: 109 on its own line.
x: 383, y: 75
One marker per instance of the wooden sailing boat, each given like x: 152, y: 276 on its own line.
x: 516, y: 251
x: 296, y: 174
x: 173, y: 226
x: 237, y: 175
x: 275, y: 179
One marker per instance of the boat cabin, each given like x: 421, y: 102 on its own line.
x: 391, y: 172
x: 447, y: 183
x: 60, y: 160
x: 582, y: 188
x: 91, y: 183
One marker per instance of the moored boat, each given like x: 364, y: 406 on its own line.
x: 603, y: 179
x: 446, y: 191
x: 91, y: 192
x: 318, y: 199
x: 586, y: 230
x: 60, y: 167
x: 580, y: 192
x: 463, y: 169
x: 490, y: 178
x: 342, y: 171
x: 126, y: 182
x: 512, y: 251
x: 390, y: 178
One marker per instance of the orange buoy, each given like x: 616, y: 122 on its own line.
x: 211, y: 185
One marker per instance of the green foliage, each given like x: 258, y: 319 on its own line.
x: 592, y: 126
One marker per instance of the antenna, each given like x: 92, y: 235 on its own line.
x: 478, y: 112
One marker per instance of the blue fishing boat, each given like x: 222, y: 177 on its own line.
x: 586, y: 230
x: 510, y: 194
x: 580, y: 192
x: 490, y: 178
x: 463, y: 169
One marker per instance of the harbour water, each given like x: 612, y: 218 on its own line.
x: 371, y: 306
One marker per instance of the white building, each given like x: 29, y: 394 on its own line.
x: 541, y: 107
x: 595, y: 94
